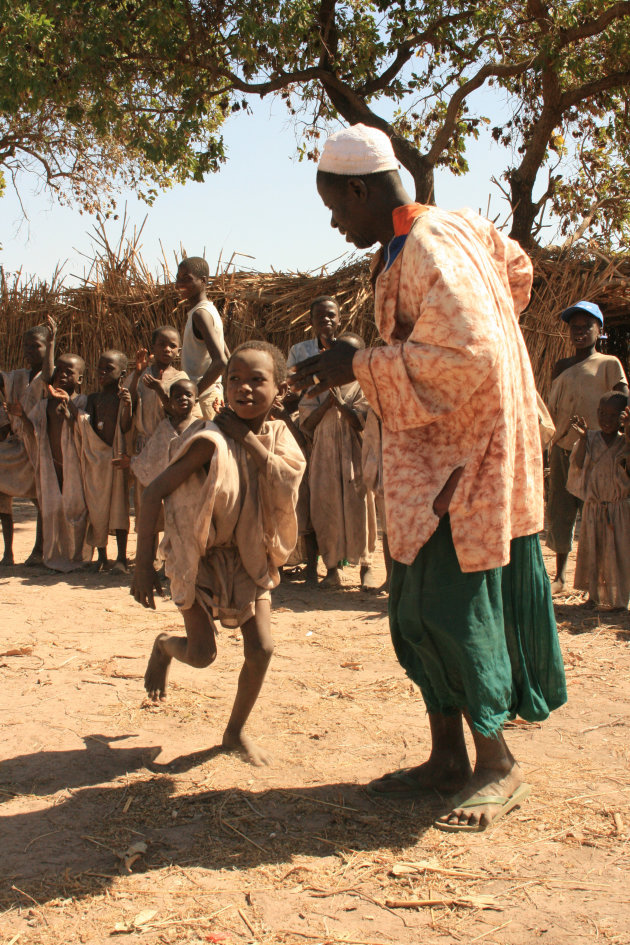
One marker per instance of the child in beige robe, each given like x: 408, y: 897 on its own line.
x: 599, y: 474
x: 230, y: 494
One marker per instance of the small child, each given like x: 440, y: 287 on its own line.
x: 25, y: 387
x: 58, y: 469
x: 229, y: 495
x: 149, y: 386
x: 599, y: 474
x: 155, y: 456
x: 204, y: 353
x: 334, y: 420
x: 100, y: 440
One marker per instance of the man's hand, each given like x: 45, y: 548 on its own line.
x: 580, y: 425
x: 231, y: 425
x: 331, y: 368
x: 146, y: 582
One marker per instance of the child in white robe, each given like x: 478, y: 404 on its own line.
x: 58, y: 470
x: 229, y: 494
x: 25, y: 387
x: 599, y: 474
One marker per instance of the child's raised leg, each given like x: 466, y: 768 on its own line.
x: 258, y: 650
x: 198, y: 648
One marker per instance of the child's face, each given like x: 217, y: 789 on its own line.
x: 165, y: 348
x: 325, y: 320
x: 584, y: 330
x: 109, y: 370
x: 251, y: 387
x: 188, y: 285
x: 182, y: 398
x: 34, y: 350
x: 68, y: 374
x: 609, y: 417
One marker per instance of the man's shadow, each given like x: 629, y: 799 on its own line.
x: 46, y: 772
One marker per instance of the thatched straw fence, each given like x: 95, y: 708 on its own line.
x: 121, y: 301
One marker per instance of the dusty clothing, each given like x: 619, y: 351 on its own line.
x: 196, y: 359
x: 105, y: 487
x: 546, y: 425
x: 454, y: 386
x: 603, y: 557
x: 483, y: 641
x: 64, y: 512
x: 228, y: 530
x: 302, y: 350
x: 562, y: 505
x: 17, y: 457
x: 578, y: 390
x: 149, y: 411
x: 339, y: 509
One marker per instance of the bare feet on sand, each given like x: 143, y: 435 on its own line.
x: 7, y: 561
x: 157, y: 671
x: 486, y: 785
x: 246, y: 747
x: 437, y: 776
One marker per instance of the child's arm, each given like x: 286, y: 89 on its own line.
x: 146, y: 581
x: 580, y: 426
x: 48, y: 364
x: 153, y: 383
x: 217, y: 349
x: 142, y: 361
x: 65, y: 404
x: 352, y: 416
x: 310, y: 423
x: 125, y: 409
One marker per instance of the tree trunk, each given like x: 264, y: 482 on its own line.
x: 524, y: 209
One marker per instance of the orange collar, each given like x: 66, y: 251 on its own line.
x: 404, y: 216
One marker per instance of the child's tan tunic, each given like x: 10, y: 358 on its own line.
x: 603, y: 557
x: 228, y: 530
x: 17, y: 475
x: 104, y: 486
x: 339, y: 508
x: 64, y: 512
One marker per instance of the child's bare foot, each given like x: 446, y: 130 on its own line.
x: 35, y: 559
x: 157, y: 671
x: 369, y: 580
x: 120, y: 567
x: 7, y: 560
x: 246, y: 747
x: 332, y: 579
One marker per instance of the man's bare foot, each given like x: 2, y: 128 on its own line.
x: 246, y: 747
x: 369, y: 580
x: 35, y: 559
x: 157, y: 671
x: 558, y: 587
x: 444, y: 776
x: 7, y: 561
x: 483, y: 784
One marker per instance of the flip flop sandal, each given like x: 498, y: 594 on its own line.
x: 410, y: 788
x: 505, y: 805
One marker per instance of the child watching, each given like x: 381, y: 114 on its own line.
x: 100, y: 440
x: 339, y: 509
x: 149, y: 386
x: 57, y: 468
x: 25, y: 387
x: 229, y: 496
x: 578, y: 383
x: 599, y: 475
x: 204, y: 354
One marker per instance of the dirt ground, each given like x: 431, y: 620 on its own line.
x: 122, y: 818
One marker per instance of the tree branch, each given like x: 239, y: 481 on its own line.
x: 612, y: 81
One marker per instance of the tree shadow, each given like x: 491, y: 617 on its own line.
x: 77, y: 847
x: 46, y: 772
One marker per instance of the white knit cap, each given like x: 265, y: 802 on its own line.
x: 358, y: 150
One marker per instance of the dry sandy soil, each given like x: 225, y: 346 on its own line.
x: 297, y: 852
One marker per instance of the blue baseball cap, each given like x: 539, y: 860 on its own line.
x: 589, y: 308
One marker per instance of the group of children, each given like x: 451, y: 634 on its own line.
x: 235, y: 486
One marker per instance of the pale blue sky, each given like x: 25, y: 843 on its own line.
x: 263, y: 202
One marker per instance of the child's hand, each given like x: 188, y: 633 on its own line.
x: 121, y: 462
x: 151, y: 382
x: 231, y: 425
x: 124, y: 396
x: 58, y: 394
x: 146, y: 582
x: 51, y: 325
x: 218, y: 404
x: 580, y: 425
x: 142, y: 359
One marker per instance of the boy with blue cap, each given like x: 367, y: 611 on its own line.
x: 578, y: 383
